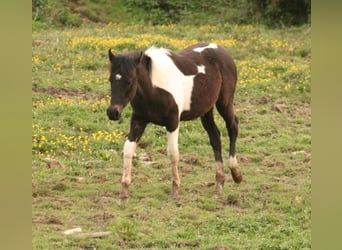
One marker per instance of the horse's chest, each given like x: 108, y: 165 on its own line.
x: 159, y: 108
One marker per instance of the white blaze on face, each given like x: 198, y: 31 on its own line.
x: 209, y: 46
x: 167, y: 76
x: 118, y: 77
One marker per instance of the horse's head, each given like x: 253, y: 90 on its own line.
x: 123, y: 80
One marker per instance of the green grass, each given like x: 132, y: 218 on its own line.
x: 270, y: 209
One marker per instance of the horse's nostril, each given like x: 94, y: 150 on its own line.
x: 113, y: 113
x: 116, y: 113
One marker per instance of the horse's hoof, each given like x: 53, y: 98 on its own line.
x: 220, y: 178
x: 174, y: 194
x: 123, y: 200
x: 175, y: 188
x: 237, y: 176
x: 124, y: 194
x: 219, y: 188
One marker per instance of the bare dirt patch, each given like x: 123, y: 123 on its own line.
x: 61, y: 92
x: 50, y: 219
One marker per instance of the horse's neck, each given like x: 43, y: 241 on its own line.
x: 145, y: 89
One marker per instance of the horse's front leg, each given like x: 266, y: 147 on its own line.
x: 173, y: 153
x: 136, y: 130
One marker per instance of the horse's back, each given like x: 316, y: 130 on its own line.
x: 221, y: 57
x: 197, y: 77
x: 216, y: 80
x: 215, y: 54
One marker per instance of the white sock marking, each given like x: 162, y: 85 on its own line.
x: 129, y: 150
x: 232, y: 162
x: 172, y: 142
x: 173, y: 153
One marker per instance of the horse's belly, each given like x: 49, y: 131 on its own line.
x: 204, y: 96
x: 188, y: 115
x: 196, y: 111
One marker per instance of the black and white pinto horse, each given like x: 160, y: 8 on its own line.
x: 165, y: 88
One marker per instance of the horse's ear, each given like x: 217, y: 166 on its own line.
x: 144, y: 60
x: 110, y: 55
x: 140, y: 58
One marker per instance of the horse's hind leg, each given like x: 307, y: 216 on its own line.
x: 232, y: 122
x: 215, y: 141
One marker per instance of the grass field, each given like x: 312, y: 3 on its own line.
x: 76, y: 150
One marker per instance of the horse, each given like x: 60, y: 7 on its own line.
x: 164, y: 88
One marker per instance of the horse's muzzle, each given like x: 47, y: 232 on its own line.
x: 114, y: 112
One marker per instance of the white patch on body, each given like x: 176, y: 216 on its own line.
x: 118, y: 77
x: 209, y: 46
x: 201, y: 69
x: 167, y: 76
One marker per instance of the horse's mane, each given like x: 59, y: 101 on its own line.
x: 153, y: 50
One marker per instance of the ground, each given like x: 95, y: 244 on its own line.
x: 77, y: 151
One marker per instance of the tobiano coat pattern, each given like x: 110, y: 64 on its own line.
x: 165, y: 88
